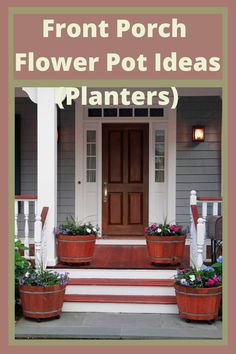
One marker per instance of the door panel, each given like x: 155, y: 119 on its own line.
x: 125, y: 179
x: 135, y: 208
x: 135, y: 154
x: 115, y: 152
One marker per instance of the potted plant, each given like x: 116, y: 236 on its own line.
x: 76, y: 241
x: 165, y: 243
x: 21, y: 267
x: 199, y: 292
x: 42, y: 293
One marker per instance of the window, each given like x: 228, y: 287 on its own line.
x: 159, y: 156
x: 125, y: 112
x: 91, y: 156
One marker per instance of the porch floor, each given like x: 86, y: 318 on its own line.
x: 122, y: 257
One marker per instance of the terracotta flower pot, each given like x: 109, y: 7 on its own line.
x: 42, y: 301
x: 165, y: 249
x: 198, y: 303
x: 75, y: 249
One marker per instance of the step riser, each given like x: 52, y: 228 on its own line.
x: 120, y: 290
x: 119, y: 273
x: 117, y: 307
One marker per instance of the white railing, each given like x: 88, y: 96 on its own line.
x: 207, y: 206
x: 29, y: 228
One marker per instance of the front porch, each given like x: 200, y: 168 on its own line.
x: 62, y: 170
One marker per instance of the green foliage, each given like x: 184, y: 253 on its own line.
x: 21, y: 267
x: 218, y: 266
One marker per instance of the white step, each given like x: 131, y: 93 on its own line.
x: 119, y: 273
x: 119, y: 290
x: 132, y: 291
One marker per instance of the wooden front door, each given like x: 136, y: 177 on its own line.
x: 125, y: 179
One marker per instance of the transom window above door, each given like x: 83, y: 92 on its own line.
x: 125, y: 112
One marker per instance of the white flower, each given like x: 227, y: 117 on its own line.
x: 26, y: 274
x: 192, y: 277
x: 88, y: 231
x: 182, y: 281
x: 94, y: 229
x: 158, y: 230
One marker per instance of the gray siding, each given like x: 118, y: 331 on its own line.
x: 28, y: 112
x: 66, y: 154
x: 66, y: 163
x: 198, y: 165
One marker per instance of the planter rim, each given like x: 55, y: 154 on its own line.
x: 189, y: 289
x: 75, y: 236
x: 42, y: 287
x: 166, y: 237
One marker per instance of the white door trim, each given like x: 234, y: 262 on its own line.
x: 80, y: 122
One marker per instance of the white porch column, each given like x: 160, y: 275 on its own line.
x: 44, y: 97
x: 47, y: 163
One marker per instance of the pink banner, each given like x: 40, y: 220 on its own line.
x: 118, y: 46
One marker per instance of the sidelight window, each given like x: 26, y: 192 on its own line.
x: 91, y: 155
x: 160, y: 156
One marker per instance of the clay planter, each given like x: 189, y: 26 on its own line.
x: 42, y: 301
x: 165, y: 249
x: 75, y: 249
x: 198, y: 303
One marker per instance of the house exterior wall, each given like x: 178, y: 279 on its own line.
x: 198, y: 165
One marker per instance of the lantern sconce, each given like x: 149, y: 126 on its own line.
x: 198, y: 134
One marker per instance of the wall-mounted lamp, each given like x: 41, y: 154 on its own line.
x: 198, y: 134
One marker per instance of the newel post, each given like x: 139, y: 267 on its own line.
x: 37, y: 238
x: 201, y: 228
x: 193, y: 231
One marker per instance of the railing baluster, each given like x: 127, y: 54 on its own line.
x: 26, y: 239
x: 215, y: 209
x: 16, y: 218
x: 204, y: 210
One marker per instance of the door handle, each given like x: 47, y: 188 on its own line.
x: 105, y: 192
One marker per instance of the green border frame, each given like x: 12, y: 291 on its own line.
x: 12, y: 84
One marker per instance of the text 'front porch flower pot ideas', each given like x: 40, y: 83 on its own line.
x: 76, y: 241
x: 42, y: 293
x: 165, y: 243
x: 198, y: 293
